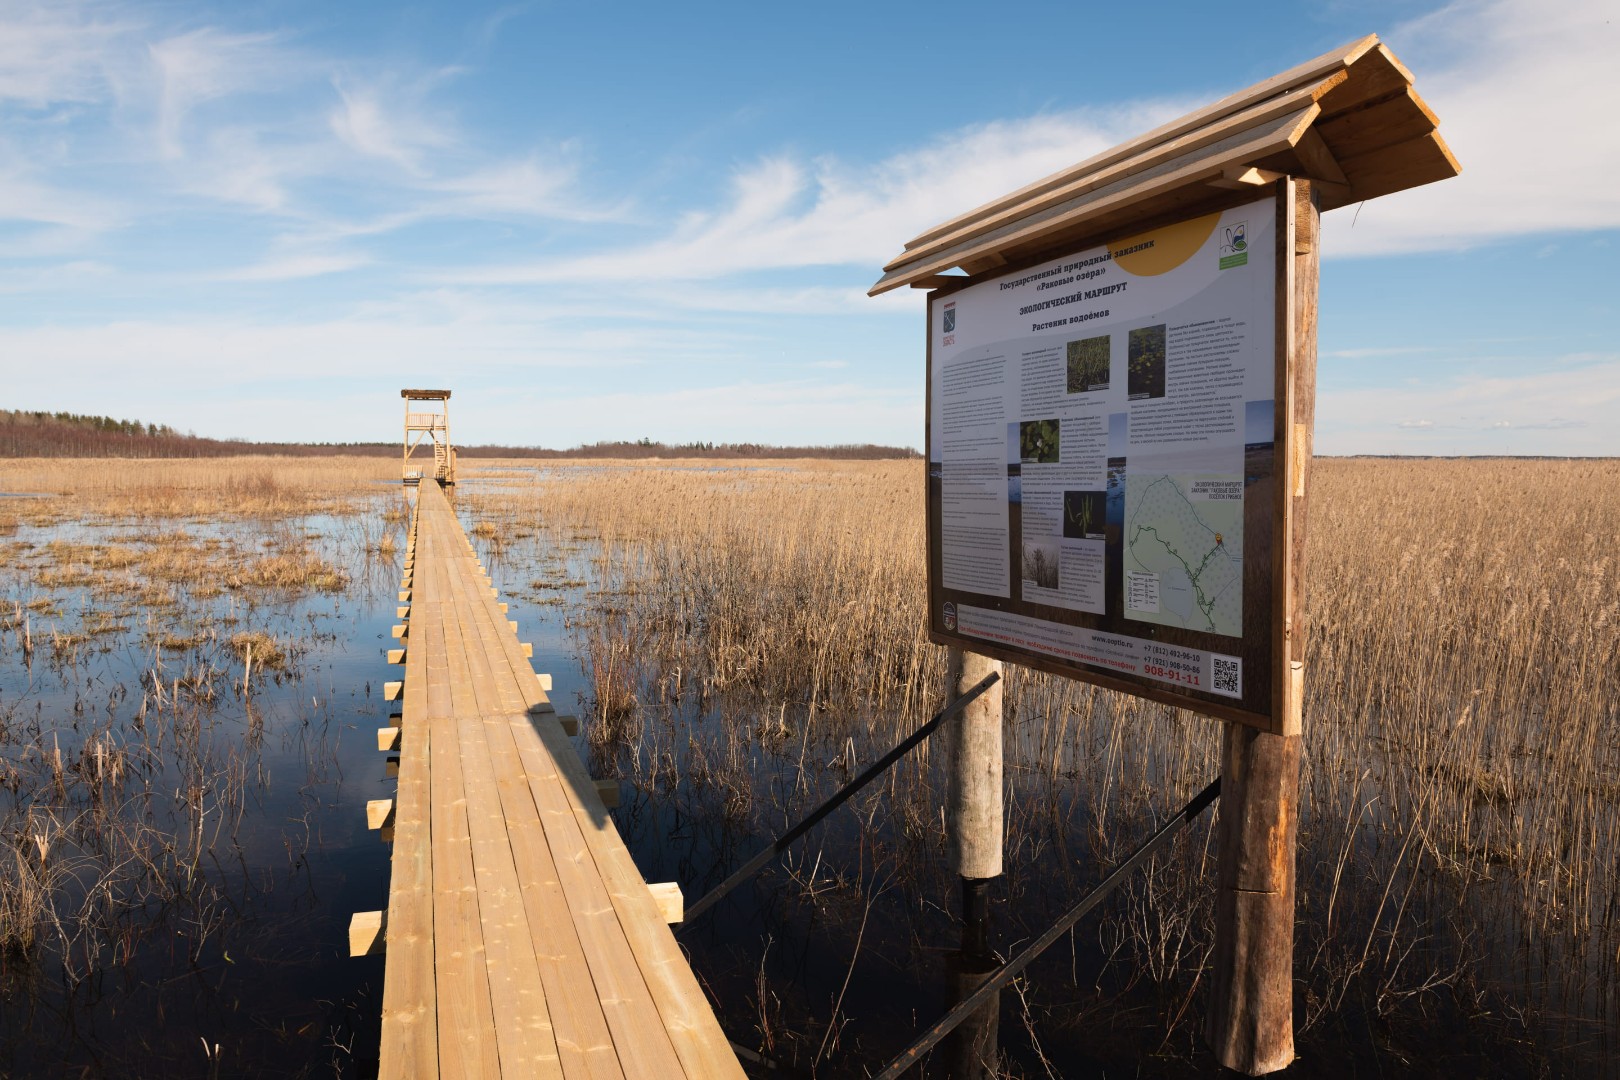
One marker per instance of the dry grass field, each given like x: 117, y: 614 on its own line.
x: 216, y: 488
x: 1460, y: 830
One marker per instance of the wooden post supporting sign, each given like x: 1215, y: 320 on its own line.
x: 1250, y: 1023
x: 974, y: 833
x: 973, y: 824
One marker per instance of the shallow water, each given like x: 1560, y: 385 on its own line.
x: 234, y: 962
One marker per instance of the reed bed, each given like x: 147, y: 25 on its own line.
x: 1460, y: 819
x: 211, y: 488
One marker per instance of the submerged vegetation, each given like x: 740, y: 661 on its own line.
x: 167, y: 745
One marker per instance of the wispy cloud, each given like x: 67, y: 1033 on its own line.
x: 782, y: 212
x: 1524, y: 90
x: 289, y: 268
x: 256, y: 121
x: 405, y: 137
x: 56, y: 53
x: 206, y: 65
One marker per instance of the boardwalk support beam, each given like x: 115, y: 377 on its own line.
x: 1007, y: 972
x: 838, y: 798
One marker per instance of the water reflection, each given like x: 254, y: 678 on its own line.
x: 182, y: 836
x: 972, y: 1051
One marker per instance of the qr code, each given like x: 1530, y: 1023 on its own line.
x: 1226, y: 675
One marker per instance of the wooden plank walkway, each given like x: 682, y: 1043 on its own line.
x: 520, y: 939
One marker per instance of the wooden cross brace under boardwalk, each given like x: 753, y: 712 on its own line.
x: 519, y: 938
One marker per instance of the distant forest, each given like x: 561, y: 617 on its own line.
x: 64, y: 434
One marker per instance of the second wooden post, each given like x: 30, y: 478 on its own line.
x: 1250, y: 1025
x: 973, y: 826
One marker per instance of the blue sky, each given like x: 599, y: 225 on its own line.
x: 598, y: 221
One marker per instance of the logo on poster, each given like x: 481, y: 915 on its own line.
x: 950, y: 616
x: 950, y: 324
x: 1235, y: 245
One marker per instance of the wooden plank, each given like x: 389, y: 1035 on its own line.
x: 523, y: 1032
x: 667, y: 896
x: 379, y: 812
x: 466, y: 1018
x: 1413, y: 163
x: 1374, y: 74
x: 1372, y: 123
x: 634, y: 1017
x: 1318, y: 161
x: 409, y: 1012
x: 685, y: 1011
x: 1375, y: 124
x: 584, y: 1043
x: 640, y: 1035
x: 366, y: 932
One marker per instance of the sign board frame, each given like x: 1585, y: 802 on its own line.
x: 1271, y: 674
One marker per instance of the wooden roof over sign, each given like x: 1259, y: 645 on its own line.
x: 425, y: 395
x: 1349, y: 121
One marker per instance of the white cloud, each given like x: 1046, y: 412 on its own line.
x: 1525, y: 91
x: 784, y: 213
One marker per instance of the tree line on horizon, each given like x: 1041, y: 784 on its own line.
x: 40, y: 433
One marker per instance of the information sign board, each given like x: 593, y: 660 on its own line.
x: 1105, y: 444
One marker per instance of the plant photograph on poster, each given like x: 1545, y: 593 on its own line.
x: 1088, y: 364
x: 1084, y: 513
x: 1038, y: 442
x: 1146, y: 358
x: 1041, y: 563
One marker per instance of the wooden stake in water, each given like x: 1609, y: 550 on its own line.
x: 974, y: 831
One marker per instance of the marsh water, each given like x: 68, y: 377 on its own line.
x: 204, y: 835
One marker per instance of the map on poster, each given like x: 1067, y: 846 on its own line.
x: 1100, y: 427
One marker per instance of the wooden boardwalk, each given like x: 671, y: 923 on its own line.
x: 520, y: 939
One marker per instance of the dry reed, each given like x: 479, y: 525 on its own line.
x: 1461, y: 788
x: 248, y: 486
